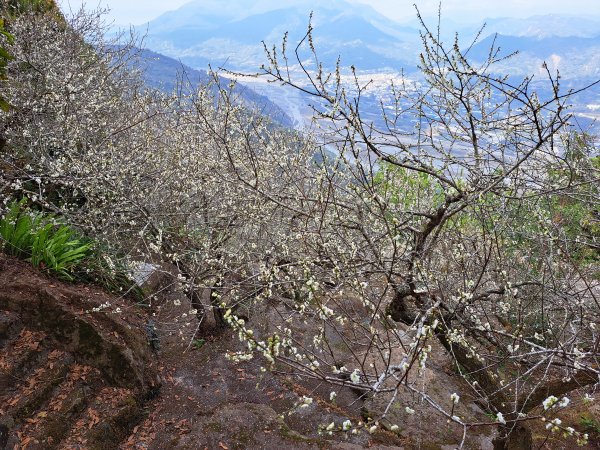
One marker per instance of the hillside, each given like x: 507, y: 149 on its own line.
x: 165, y: 73
x: 418, y: 268
x: 68, y: 376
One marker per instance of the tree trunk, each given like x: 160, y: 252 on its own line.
x: 398, y: 309
x: 514, y: 436
x: 218, y: 311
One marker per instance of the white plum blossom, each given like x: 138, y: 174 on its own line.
x: 305, y: 401
x: 549, y: 402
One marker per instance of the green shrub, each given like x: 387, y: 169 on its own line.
x: 38, y: 238
x: 589, y: 424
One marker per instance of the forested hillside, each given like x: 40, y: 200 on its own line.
x: 448, y: 274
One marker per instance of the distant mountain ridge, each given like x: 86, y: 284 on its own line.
x: 161, y: 72
x: 547, y: 25
x: 230, y: 34
x: 198, y: 33
x: 573, y: 57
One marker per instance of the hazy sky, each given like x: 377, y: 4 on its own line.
x: 136, y: 12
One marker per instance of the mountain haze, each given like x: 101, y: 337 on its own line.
x: 230, y: 35
x: 573, y: 56
x: 546, y: 25
x: 200, y: 32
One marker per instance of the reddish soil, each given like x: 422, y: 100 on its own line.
x: 69, y: 378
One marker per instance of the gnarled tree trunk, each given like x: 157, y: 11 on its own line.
x: 515, y: 436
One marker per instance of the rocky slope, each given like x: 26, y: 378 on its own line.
x: 68, y: 377
x: 72, y: 377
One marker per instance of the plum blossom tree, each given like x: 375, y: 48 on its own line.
x: 453, y: 231
x: 147, y: 174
